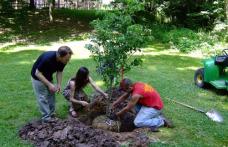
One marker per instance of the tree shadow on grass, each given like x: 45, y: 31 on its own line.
x: 33, y: 27
x: 220, y: 92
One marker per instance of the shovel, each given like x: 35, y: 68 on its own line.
x: 212, y: 114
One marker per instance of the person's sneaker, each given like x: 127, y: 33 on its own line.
x: 168, y: 123
x: 50, y: 120
x: 154, y: 129
x: 53, y: 115
x: 46, y: 120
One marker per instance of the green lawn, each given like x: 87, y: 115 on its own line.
x: 170, y: 73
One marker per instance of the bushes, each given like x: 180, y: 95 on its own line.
x: 187, y: 40
x: 184, y: 39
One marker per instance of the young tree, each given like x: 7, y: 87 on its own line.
x: 116, y: 38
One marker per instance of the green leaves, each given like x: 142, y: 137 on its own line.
x: 116, y: 38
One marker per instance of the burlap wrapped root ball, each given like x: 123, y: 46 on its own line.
x: 103, y: 122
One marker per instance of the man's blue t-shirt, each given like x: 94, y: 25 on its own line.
x: 47, y: 64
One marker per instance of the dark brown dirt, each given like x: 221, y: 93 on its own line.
x: 79, y: 132
x: 70, y: 132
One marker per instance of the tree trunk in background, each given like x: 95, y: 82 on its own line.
x: 58, y: 3
x: 32, y: 4
x: 50, y: 11
x: 226, y: 9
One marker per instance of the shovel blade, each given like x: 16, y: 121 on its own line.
x: 214, y: 115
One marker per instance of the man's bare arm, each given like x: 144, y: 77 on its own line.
x: 130, y: 105
x: 120, y: 99
x: 59, y: 80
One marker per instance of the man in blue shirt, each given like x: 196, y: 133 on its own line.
x: 42, y: 71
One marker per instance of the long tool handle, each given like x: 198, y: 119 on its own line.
x: 191, y: 107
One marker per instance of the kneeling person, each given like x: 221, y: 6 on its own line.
x: 147, y: 103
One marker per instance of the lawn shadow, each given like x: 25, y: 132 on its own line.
x: 33, y: 27
x: 220, y: 92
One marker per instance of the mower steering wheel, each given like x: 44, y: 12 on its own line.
x: 225, y: 52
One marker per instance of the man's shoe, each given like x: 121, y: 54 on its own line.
x: 53, y: 115
x: 168, y: 123
x: 50, y: 120
x: 154, y: 129
x: 46, y: 120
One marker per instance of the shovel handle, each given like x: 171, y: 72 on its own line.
x: 191, y: 107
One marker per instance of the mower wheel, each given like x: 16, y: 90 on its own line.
x: 199, y: 78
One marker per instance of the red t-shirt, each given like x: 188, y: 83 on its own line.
x: 150, y: 96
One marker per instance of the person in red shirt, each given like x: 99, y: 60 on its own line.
x: 147, y: 103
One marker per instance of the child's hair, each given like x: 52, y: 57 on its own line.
x: 81, y: 78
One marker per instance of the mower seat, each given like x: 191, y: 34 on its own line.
x: 221, y: 60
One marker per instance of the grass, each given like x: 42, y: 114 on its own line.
x: 170, y: 72
x: 172, y: 75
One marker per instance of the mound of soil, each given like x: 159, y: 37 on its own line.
x: 69, y: 132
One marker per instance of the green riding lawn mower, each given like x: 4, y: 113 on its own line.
x: 214, y: 72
